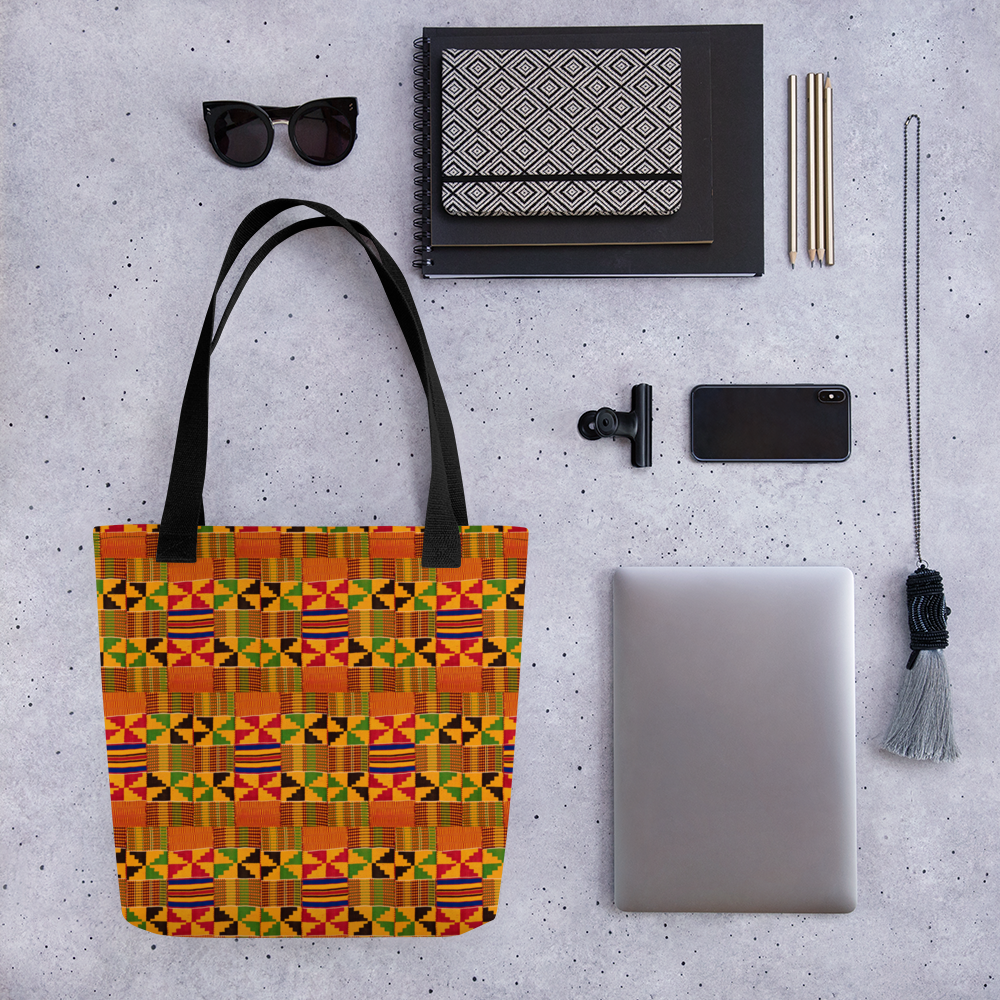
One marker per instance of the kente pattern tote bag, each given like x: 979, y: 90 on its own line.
x: 310, y: 730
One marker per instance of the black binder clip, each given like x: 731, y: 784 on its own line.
x: 637, y: 425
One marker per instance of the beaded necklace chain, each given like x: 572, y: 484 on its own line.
x: 912, y: 401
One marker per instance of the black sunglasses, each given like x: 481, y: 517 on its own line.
x: 322, y: 132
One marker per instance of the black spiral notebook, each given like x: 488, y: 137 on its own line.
x: 589, y: 151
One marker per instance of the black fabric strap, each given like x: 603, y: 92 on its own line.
x: 184, y: 510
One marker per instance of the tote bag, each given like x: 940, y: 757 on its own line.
x: 310, y: 730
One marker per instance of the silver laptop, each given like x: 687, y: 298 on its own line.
x: 734, y: 769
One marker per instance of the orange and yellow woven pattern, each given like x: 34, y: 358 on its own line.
x: 308, y: 732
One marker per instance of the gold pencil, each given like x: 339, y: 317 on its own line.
x: 793, y: 166
x: 828, y: 166
x: 811, y: 162
x: 820, y: 196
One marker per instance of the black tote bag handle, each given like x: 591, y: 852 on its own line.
x: 183, y: 510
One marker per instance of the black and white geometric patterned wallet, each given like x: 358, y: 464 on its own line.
x: 561, y: 131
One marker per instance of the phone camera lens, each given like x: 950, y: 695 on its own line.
x: 832, y: 395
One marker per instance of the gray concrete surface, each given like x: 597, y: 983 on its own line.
x: 114, y: 217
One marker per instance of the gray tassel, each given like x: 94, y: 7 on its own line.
x: 922, y: 725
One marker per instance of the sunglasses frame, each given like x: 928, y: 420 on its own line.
x: 347, y: 106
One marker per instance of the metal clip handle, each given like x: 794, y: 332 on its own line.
x: 636, y: 425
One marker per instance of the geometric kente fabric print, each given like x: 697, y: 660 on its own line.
x: 309, y: 733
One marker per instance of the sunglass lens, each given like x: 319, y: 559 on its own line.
x: 241, y: 135
x: 323, y: 134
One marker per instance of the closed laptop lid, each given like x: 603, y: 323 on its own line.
x: 734, y: 761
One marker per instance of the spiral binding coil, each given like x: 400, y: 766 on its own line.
x: 422, y: 154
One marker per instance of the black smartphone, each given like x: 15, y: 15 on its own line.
x: 771, y: 423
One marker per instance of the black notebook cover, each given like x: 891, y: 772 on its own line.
x: 737, y: 169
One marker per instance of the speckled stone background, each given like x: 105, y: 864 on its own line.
x: 115, y: 214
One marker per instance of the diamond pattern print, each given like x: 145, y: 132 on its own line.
x: 561, y: 131
x: 308, y: 733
